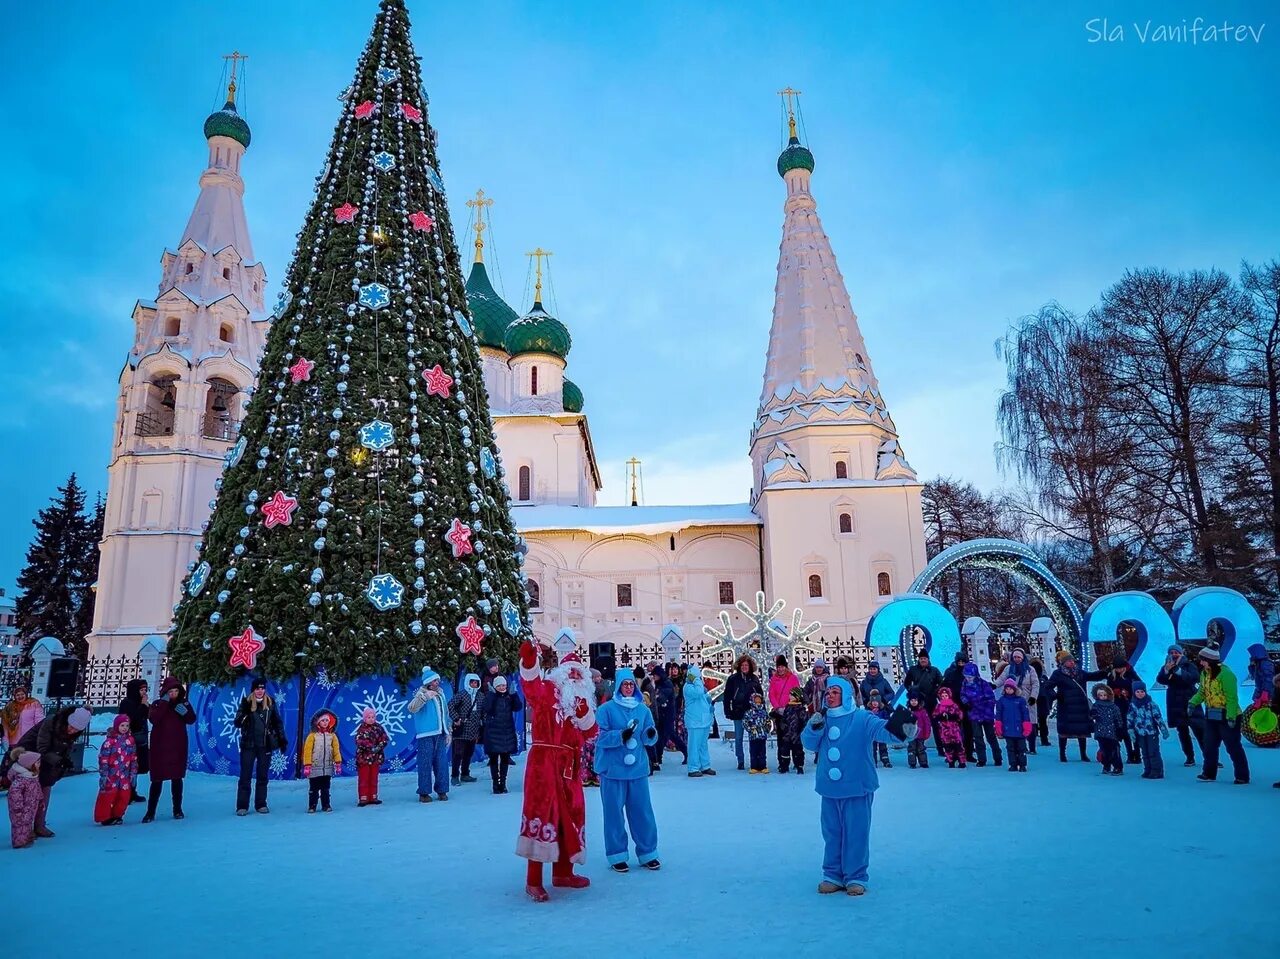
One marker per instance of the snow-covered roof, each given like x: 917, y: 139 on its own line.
x: 644, y: 520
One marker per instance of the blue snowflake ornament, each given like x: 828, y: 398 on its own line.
x: 386, y: 75
x: 235, y: 454
x: 199, y: 576
x: 461, y: 319
x: 282, y: 302
x: 510, y: 618
x: 374, y: 296
x: 384, y: 161
x: 384, y: 592
x: 377, y: 435
x: 488, y: 463
x: 433, y: 178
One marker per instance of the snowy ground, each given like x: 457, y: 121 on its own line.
x: 1060, y: 860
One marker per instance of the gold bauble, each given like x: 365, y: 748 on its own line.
x: 359, y: 456
x: 379, y: 238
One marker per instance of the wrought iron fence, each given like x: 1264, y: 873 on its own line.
x: 103, y: 679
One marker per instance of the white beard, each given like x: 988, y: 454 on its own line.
x: 573, y: 682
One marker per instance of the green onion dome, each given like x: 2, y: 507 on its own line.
x: 490, y: 314
x: 227, y: 123
x: 572, y: 397
x: 537, y: 332
x: 795, y: 157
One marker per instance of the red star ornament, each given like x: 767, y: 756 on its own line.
x: 278, y: 511
x: 420, y: 221
x: 245, y: 649
x: 365, y: 110
x: 470, y: 635
x: 345, y: 213
x: 438, y: 381
x: 459, y: 537
x: 411, y: 112
x: 301, y: 370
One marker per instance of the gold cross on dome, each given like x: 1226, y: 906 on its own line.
x: 235, y: 56
x: 790, y: 95
x: 478, y: 205
x: 539, y: 253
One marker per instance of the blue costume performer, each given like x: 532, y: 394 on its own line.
x: 626, y: 728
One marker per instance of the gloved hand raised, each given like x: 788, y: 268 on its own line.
x: 630, y: 730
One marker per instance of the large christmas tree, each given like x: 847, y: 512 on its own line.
x: 362, y: 525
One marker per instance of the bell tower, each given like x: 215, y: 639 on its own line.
x: 183, y: 390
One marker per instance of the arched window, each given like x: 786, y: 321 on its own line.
x: 535, y: 594
x: 226, y: 272
x: 846, y: 523
x: 815, y: 586
x: 883, y: 586
x: 219, y: 410
x: 533, y: 381
x: 172, y: 326
x: 227, y: 333
x: 842, y: 469
x: 157, y: 418
x: 525, y: 491
x: 191, y: 268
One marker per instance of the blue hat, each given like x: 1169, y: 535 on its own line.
x: 429, y: 675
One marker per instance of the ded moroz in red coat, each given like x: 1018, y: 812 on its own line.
x: 553, y: 823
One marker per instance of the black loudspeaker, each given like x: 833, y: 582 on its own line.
x: 603, y: 659
x: 63, y: 673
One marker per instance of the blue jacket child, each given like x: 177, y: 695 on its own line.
x: 626, y: 728
x: 843, y: 736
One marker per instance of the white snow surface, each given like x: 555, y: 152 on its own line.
x: 1059, y: 861
x: 645, y: 520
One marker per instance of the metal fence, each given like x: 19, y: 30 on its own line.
x: 99, y: 685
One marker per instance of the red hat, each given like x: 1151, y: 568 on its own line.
x: 572, y: 657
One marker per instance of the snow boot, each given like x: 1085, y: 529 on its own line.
x: 855, y: 889
x: 443, y: 797
x: 827, y: 887
x: 570, y: 881
x: 455, y: 781
x: 695, y: 775
x: 652, y: 865
x: 708, y: 772
x: 424, y: 799
x: 242, y: 812
x: 620, y: 867
x: 1084, y: 752
x: 468, y: 778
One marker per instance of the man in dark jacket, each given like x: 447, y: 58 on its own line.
x: 664, y: 711
x: 738, y: 690
x: 925, y: 679
x: 875, y: 680
x: 1180, y: 678
x: 53, y: 738
x: 261, y: 734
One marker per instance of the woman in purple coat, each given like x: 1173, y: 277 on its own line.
x: 170, y: 716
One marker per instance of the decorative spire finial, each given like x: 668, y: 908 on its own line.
x: 789, y: 96
x: 538, y: 254
x: 235, y: 56
x: 479, y: 204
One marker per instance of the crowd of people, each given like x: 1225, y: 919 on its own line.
x: 958, y: 715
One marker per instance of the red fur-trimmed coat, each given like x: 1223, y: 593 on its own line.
x: 553, y: 821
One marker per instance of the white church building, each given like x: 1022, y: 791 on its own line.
x: 833, y: 525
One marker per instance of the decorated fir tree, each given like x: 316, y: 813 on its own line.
x: 362, y: 524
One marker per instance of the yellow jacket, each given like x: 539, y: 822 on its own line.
x: 322, y: 753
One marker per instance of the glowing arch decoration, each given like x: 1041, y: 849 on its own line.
x: 890, y: 628
x: 1155, y: 628
x: 1195, y: 609
x: 1022, y: 563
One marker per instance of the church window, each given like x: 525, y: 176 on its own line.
x: 535, y: 594
x: 842, y: 469
x: 227, y: 333
x: 525, y: 483
x: 157, y: 418
x: 172, y: 326
x: 883, y: 586
x: 533, y: 381
x: 624, y: 594
x: 726, y: 592
x: 219, y: 410
x: 226, y: 272
x: 862, y: 364
x: 191, y: 268
x: 846, y: 523
x: 815, y: 586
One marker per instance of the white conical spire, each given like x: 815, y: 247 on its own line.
x: 817, y: 371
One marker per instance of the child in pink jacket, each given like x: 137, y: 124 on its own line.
x: 117, y: 765
x: 24, y: 798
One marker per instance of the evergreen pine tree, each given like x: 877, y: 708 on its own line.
x: 56, y: 584
x: 371, y: 413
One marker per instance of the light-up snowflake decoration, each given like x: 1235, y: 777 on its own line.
x: 390, y: 710
x: 229, y: 732
x: 279, y: 763
x: 395, y: 764
x: 323, y: 681
x: 766, y: 640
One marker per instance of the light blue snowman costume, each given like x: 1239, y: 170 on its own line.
x: 623, y: 768
x: 697, y: 720
x: 846, y: 780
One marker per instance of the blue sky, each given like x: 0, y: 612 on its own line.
x: 973, y: 162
